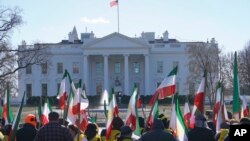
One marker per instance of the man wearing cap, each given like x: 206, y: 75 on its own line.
x: 28, y: 131
x: 201, y: 132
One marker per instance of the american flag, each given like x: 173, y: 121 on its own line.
x: 113, y: 3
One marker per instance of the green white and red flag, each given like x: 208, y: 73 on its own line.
x: 166, y: 88
x: 187, y: 114
x: 62, y: 92
x: 154, y: 113
x: 7, y: 113
x: 112, y: 112
x: 16, y: 121
x: 236, y: 92
x: 132, y: 114
x: 245, y: 108
x: 199, y: 96
x: 177, y: 123
x: 217, y: 105
x: 46, y: 110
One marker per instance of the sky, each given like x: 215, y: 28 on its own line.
x: 50, y: 21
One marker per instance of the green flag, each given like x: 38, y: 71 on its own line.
x: 236, y: 93
x: 16, y: 120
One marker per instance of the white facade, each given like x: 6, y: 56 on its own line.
x: 100, y: 62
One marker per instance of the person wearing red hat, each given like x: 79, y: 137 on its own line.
x: 28, y: 131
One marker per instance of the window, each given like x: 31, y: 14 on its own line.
x: 75, y: 67
x: 136, y: 67
x: 176, y: 63
x: 29, y: 69
x: 98, y: 67
x: 44, y: 68
x: 44, y: 89
x: 29, y: 90
x: 98, y: 88
x: 58, y: 87
x: 117, y: 67
x: 158, y: 84
x: 59, y: 68
x: 159, y: 67
x: 191, y: 88
x: 138, y: 87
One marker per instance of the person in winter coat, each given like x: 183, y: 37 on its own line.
x: 126, y: 134
x: 28, y: 131
x: 201, y: 132
x: 157, y: 133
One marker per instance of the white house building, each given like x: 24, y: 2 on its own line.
x: 115, y: 60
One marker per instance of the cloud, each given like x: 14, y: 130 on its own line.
x: 98, y: 20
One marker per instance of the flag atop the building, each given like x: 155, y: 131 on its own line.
x: 177, y: 123
x: 217, y: 105
x: 62, y: 92
x: 199, y: 96
x: 7, y: 112
x: 154, y: 113
x: 245, y: 108
x: 187, y: 113
x: 236, y: 92
x: 132, y: 113
x: 167, y: 86
x: 15, y: 124
x: 113, y: 3
x: 46, y: 110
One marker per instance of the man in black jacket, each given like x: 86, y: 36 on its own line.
x: 28, y: 131
x: 157, y: 133
x: 201, y: 132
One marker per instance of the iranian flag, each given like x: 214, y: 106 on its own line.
x: 111, y: 114
x: 132, y: 115
x: 198, y: 107
x: 7, y: 112
x: 76, y: 107
x: 177, y: 123
x: 219, y: 118
x: 16, y: 121
x: 62, y: 92
x: 167, y: 86
x: 187, y: 114
x: 236, y: 92
x: 154, y: 113
x: 245, y: 109
x: 217, y: 102
x: 46, y: 110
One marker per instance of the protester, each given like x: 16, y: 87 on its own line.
x: 141, y: 124
x: 115, y: 132
x: 126, y: 134
x: 7, y: 131
x: 28, y: 131
x: 1, y: 132
x: 103, y: 134
x: 53, y: 131
x: 76, y: 134
x: 91, y: 132
x: 201, y: 132
x: 157, y: 133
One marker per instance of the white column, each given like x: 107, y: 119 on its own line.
x: 146, y: 59
x: 106, y: 73
x: 126, y: 78
x: 86, y: 73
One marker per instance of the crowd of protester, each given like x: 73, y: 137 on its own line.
x: 59, y: 130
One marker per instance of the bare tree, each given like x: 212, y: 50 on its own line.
x: 12, y: 58
x: 204, y: 56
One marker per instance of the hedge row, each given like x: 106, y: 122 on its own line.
x: 95, y: 100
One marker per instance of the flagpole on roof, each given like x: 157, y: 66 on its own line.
x: 118, y: 16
